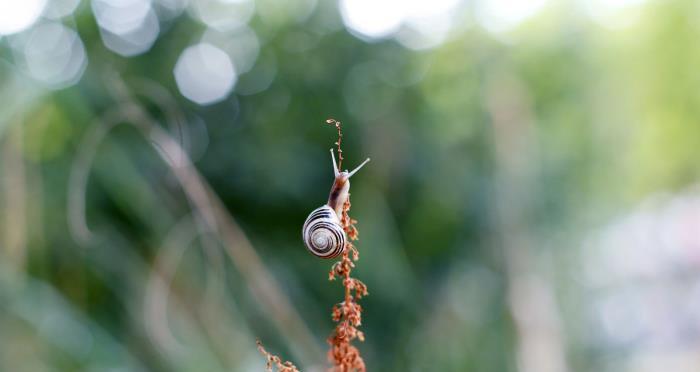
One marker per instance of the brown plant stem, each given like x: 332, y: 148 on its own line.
x: 337, y: 125
x: 343, y: 355
x: 348, y: 314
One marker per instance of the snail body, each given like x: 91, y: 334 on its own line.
x: 323, y: 233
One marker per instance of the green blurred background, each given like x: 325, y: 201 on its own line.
x: 531, y: 205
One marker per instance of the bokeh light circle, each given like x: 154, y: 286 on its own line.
x: 372, y: 18
x: 56, y: 9
x: 204, y: 74
x: 416, y: 24
x: 242, y: 45
x: 135, y: 41
x: 120, y: 16
x: 223, y: 15
x: 54, y: 55
x: 18, y: 15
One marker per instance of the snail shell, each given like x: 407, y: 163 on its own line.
x: 323, y: 235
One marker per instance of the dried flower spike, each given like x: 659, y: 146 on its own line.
x: 275, y: 361
x: 342, y: 354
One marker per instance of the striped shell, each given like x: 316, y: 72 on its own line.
x: 323, y: 234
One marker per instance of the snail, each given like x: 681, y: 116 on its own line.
x: 322, y: 232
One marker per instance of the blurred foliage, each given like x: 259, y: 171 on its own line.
x: 493, y: 156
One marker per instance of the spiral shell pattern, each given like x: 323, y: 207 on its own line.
x: 323, y: 234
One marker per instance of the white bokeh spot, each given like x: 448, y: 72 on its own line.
x: 18, y: 15
x: 57, y: 9
x: 54, y: 55
x: 223, y: 15
x: 127, y: 27
x: 372, y: 18
x: 204, y: 74
x: 120, y: 16
x: 416, y: 24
